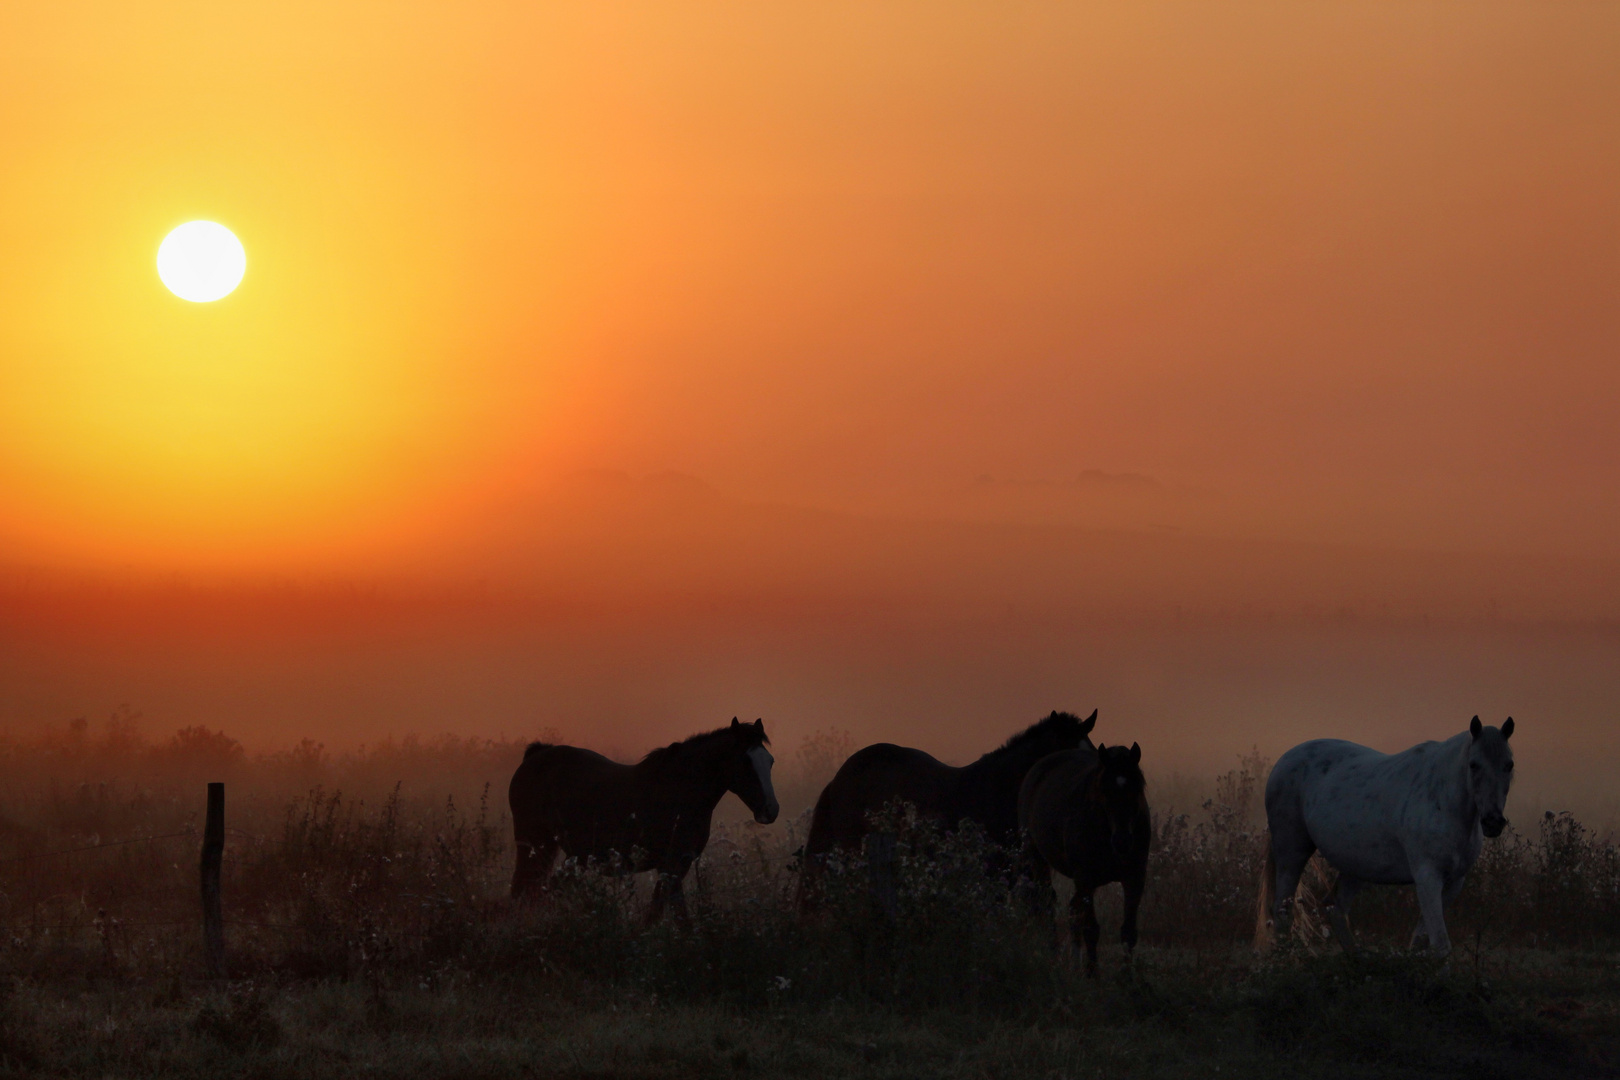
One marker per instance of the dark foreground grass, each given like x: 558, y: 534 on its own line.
x: 1175, y: 1015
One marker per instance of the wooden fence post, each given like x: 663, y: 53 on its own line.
x: 213, y: 854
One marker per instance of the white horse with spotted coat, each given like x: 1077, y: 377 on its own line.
x: 1414, y: 818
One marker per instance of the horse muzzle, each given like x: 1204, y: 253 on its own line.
x: 767, y: 814
x: 1492, y: 825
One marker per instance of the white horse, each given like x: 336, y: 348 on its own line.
x: 1413, y: 818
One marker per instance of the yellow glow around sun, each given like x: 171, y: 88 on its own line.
x: 201, y: 261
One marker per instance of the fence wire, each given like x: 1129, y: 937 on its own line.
x: 95, y: 847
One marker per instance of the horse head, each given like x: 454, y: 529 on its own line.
x: 748, y: 771
x: 1060, y: 731
x: 1490, y: 773
x: 1118, y: 786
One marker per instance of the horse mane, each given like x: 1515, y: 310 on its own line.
x: 667, y: 755
x: 1035, y: 731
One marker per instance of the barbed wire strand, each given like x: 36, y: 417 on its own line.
x: 95, y: 847
x: 110, y: 925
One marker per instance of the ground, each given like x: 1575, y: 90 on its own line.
x: 1174, y: 1014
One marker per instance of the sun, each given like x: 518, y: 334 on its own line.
x: 201, y: 261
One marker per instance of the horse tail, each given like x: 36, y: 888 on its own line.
x: 1263, y: 923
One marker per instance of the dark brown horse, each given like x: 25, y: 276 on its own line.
x: 985, y: 791
x: 653, y: 815
x: 1084, y: 813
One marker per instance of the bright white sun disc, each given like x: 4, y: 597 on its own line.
x: 201, y: 261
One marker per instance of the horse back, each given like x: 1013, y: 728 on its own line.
x: 1311, y: 765
x: 554, y: 780
x: 869, y: 780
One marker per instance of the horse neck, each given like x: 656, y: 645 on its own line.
x: 697, y: 770
x: 1454, y: 762
x: 1007, y: 766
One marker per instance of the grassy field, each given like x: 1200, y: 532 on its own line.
x: 1178, y: 1014
x: 369, y: 935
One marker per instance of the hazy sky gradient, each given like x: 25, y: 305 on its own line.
x: 633, y: 316
x: 1348, y: 271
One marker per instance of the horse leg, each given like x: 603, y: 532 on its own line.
x: 677, y: 899
x: 533, y: 866
x: 668, y: 892
x: 808, y: 893
x: 660, y: 897
x: 1431, y: 889
x: 1420, y: 933
x: 1132, y: 884
x: 1035, y: 883
x: 1291, y: 859
x: 1042, y: 901
x: 1339, y: 912
x: 1083, y: 925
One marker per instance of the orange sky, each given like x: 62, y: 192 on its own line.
x: 1327, y: 271
x: 856, y: 364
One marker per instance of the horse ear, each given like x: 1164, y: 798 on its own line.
x: 1507, y: 728
x: 735, y: 725
x: 1088, y: 723
x: 1474, y: 727
x: 1136, y: 754
x: 759, y: 725
x: 1100, y: 748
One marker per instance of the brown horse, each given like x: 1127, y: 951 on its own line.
x: 985, y: 791
x: 653, y: 815
x: 1085, y: 813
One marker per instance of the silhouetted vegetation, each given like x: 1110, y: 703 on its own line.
x: 369, y: 931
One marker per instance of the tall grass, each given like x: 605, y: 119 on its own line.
x: 369, y: 933
x: 392, y: 864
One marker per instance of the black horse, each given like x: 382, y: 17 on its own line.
x: 985, y: 791
x: 1085, y: 814
x: 653, y: 815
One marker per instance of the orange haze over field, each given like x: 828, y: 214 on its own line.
x: 1244, y: 370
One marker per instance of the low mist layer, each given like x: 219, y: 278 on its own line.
x: 627, y: 613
